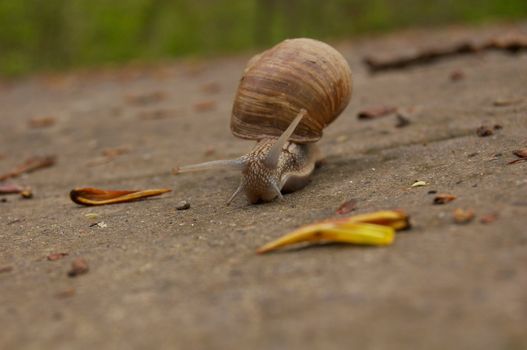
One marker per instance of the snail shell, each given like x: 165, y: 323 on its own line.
x: 293, y: 75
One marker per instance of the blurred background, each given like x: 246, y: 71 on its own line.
x: 38, y: 35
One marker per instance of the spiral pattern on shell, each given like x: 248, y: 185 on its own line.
x: 278, y: 83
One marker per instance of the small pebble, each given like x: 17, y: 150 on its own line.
x: 484, y: 131
x: 463, y: 216
x: 26, y: 193
x: 183, y: 205
x: 402, y: 121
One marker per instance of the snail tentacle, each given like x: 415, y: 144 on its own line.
x: 234, y: 164
x: 240, y: 188
x: 271, y: 160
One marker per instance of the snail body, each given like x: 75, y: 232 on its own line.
x: 286, y: 97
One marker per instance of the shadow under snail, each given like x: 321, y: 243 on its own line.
x: 286, y: 97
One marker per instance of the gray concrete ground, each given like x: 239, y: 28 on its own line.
x: 166, y: 279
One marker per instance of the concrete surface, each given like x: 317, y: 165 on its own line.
x: 166, y: 279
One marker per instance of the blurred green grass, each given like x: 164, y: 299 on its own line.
x: 60, y: 34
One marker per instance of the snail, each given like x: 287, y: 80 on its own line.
x: 285, y: 98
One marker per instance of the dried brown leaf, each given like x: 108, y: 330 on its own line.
x: 56, y: 256
x: 376, y: 112
x: 94, y: 196
x: 521, y: 160
x: 521, y: 153
x: 488, y: 218
x: 42, y: 122
x: 457, y: 75
x: 67, y: 293
x: 347, y: 207
x: 509, y: 43
x: 158, y: 114
x: 30, y: 165
x: 115, y: 151
x: 503, y: 102
x: 443, y: 198
x: 145, y: 98
x: 212, y: 87
x: 4, y: 269
x: 205, y: 106
x: 10, y: 188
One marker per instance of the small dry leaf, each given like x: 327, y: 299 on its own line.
x: 347, y: 207
x: 457, y: 75
x: 376, y: 112
x: 79, y: 266
x: 4, y: 269
x: 443, y: 198
x: 158, y: 114
x: 146, y: 98
x: 509, y: 43
x: 502, y: 101
x: 376, y: 228
x: 67, y: 293
x: 484, y: 131
x: 463, y: 216
x: 488, y: 218
x: 30, y: 165
x: 209, y: 151
x: 111, y: 153
x: 419, y: 184
x: 94, y: 196
x: 10, y: 188
x: 205, y: 106
x: 211, y: 87
x: 517, y: 161
x: 521, y: 154
x: 42, y: 122
x: 56, y: 256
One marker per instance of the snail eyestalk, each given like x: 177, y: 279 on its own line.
x: 277, y: 189
x: 271, y: 161
x: 240, y: 188
x: 234, y: 164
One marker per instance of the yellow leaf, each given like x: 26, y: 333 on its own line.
x: 376, y: 228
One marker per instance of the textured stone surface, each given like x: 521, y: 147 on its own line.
x: 168, y: 279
